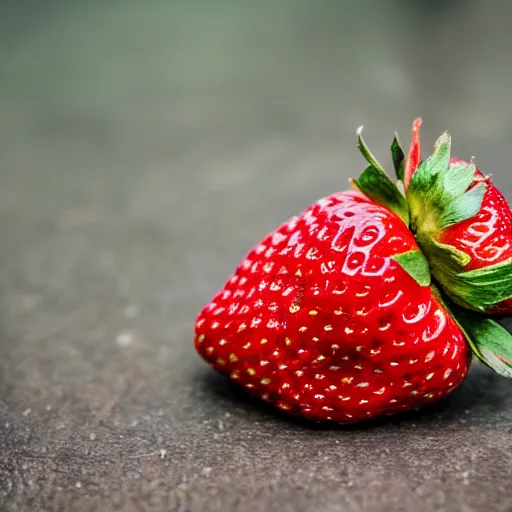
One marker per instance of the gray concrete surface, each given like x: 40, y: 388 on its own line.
x: 144, y: 147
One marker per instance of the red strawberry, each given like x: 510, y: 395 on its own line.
x: 333, y: 315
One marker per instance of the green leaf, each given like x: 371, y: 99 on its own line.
x: 450, y: 256
x: 440, y: 159
x: 398, y: 158
x: 485, y: 287
x: 435, y: 164
x: 490, y: 342
x: 426, y: 181
x: 457, y: 181
x: 376, y: 184
x: 366, y: 152
x: 416, y: 265
x: 463, y: 207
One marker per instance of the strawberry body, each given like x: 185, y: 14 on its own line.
x: 487, y: 236
x: 320, y: 321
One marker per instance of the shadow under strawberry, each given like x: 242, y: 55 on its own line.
x: 479, y: 395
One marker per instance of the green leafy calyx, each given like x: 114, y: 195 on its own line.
x: 430, y: 196
x: 440, y: 194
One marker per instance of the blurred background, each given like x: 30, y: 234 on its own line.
x: 144, y: 147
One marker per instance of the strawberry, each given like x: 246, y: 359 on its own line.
x: 334, y: 315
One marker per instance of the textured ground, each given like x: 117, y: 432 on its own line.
x: 144, y: 147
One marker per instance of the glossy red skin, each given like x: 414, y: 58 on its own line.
x: 486, y: 237
x: 319, y: 321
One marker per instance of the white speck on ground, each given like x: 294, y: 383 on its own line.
x: 125, y: 338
